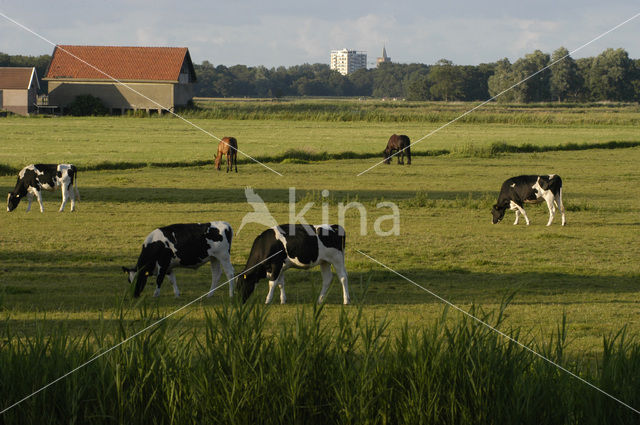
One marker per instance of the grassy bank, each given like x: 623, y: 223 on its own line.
x: 311, y: 373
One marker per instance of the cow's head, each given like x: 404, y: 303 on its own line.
x: 246, y: 283
x: 12, y: 201
x: 138, y: 276
x: 130, y: 272
x: 498, y: 213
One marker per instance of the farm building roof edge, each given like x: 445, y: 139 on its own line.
x: 15, y: 73
x: 124, y: 63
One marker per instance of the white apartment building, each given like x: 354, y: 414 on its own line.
x: 347, y: 61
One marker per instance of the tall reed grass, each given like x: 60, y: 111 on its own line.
x: 347, y: 110
x: 313, y: 371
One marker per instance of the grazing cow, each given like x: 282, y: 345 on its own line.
x: 401, y: 144
x: 299, y: 246
x: 228, y: 146
x: 35, y: 177
x: 183, y: 245
x: 517, y: 191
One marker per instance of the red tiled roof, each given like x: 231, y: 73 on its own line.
x: 15, y: 78
x: 122, y: 63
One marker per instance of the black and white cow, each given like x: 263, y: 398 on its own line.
x: 298, y: 246
x: 517, y: 191
x: 35, y: 177
x: 184, y: 245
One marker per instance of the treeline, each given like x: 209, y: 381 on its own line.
x: 610, y: 76
x: 412, y: 81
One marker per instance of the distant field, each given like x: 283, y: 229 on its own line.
x: 125, y: 142
x: 62, y: 271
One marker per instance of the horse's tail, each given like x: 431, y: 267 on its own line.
x: 235, y: 157
x: 408, y: 152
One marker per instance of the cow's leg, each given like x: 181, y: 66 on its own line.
x: 561, y: 206
x: 276, y: 270
x: 552, y: 209
x: 272, y: 285
x: 39, y: 198
x: 225, y: 262
x: 327, y: 277
x: 162, y: 272
x: 174, y: 283
x: 72, y: 194
x: 65, y: 195
x: 517, y: 207
x: 338, y: 264
x: 341, y: 271
x: 216, y: 272
x: 280, y: 281
x: 30, y: 199
x: 517, y: 217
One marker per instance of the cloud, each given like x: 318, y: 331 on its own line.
x: 287, y: 32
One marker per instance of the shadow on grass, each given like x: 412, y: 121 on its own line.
x: 90, y: 284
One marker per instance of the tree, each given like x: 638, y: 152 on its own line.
x: 418, y: 86
x: 564, y: 81
x: 610, y: 76
x: 501, y: 80
x: 387, y: 80
x: 446, y: 81
x: 527, y: 77
x: 361, y: 82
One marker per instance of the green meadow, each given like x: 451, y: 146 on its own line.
x: 60, y: 276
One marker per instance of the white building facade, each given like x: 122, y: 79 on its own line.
x: 347, y: 61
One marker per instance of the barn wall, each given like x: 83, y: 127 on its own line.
x: 182, y: 94
x: 114, y: 96
x: 15, y: 101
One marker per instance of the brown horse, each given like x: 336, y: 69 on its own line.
x: 402, y: 145
x: 228, y: 146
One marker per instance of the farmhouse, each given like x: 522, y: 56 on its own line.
x: 155, y: 77
x: 19, y: 90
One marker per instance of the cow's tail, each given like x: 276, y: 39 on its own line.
x: 342, y: 237
x: 408, y: 153
x: 75, y: 183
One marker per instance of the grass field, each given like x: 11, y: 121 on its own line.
x: 64, y: 269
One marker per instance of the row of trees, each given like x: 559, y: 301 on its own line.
x: 413, y: 81
x: 612, y: 76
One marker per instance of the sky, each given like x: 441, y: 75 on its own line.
x: 292, y: 32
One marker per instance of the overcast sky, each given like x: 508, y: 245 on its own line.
x: 292, y: 32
